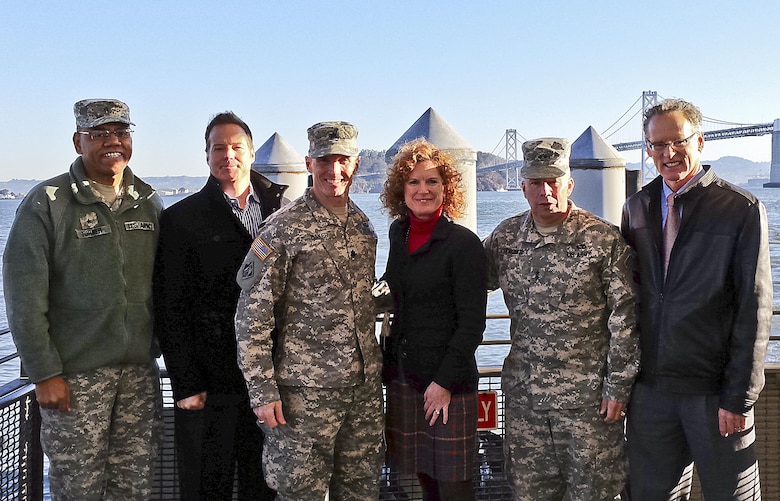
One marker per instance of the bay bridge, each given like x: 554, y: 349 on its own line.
x: 648, y: 99
x: 714, y: 129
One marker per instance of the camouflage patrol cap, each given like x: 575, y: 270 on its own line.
x: 545, y: 158
x: 93, y: 112
x: 332, y: 138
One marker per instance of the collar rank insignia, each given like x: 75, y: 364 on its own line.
x: 89, y: 226
x: 88, y: 221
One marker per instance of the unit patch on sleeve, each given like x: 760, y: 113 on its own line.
x: 261, y: 249
x: 248, y: 270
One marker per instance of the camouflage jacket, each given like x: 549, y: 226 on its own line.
x: 309, y: 276
x: 571, y: 303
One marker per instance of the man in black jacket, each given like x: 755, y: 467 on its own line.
x: 705, y: 311
x: 203, y: 241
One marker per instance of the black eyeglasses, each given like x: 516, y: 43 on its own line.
x: 678, y: 145
x: 121, y: 134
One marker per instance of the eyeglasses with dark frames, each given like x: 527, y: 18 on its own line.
x: 102, y: 134
x: 677, y: 145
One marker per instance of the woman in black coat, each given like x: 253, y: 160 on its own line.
x: 437, y: 274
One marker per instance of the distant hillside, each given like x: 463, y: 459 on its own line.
x: 736, y: 170
x: 18, y: 185
x: 733, y: 169
x: 739, y: 170
x: 183, y: 184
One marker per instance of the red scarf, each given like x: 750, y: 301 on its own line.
x: 420, y: 230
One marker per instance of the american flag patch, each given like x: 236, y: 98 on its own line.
x: 261, y: 249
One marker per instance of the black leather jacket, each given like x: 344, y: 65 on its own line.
x: 705, y: 329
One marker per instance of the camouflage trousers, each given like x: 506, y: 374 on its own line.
x: 549, y: 453
x: 332, y: 441
x: 105, y: 447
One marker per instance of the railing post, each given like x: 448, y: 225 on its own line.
x: 30, y: 452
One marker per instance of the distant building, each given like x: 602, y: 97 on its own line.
x: 7, y: 194
x: 172, y: 191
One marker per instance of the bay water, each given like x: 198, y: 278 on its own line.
x: 492, y: 208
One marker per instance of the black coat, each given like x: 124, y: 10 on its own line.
x: 440, y: 298
x: 703, y: 330
x: 201, y: 247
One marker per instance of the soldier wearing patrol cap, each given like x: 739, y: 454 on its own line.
x: 77, y: 276
x: 309, y: 276
x: 566, y: 279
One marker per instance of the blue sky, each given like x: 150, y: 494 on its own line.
x: 542, y: 68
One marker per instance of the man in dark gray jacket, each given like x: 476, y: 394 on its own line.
x: 78, y: 289
x: 705, y: 310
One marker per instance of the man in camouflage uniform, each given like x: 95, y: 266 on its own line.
x: 78, y: 290
x: 308, y: 278
x: 566, y: 279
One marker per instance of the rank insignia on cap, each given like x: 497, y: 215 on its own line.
x: 261, y: 249
x: 332, y: 138
x: 94, y: 112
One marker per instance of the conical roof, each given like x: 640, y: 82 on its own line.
x: 277, y: 152
x: 435, y: 129
x: 591, y: 150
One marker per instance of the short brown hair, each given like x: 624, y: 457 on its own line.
x: 228, y: 118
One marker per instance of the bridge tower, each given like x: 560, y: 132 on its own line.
x: 774, y: 167
x: 649, y: 99
x: 512, y: 173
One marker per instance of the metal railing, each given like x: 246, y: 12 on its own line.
x: 22, y: 461
x: 21, y: 457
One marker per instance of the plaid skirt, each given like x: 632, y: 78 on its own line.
x: 444, y: 452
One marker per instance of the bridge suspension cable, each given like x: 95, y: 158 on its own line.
x: 621, y: 118
x: 501, y: 146
x: 725, y: 130
x: 627, y: 122
x: 723, y: 122
x: 716, y: 121
x: 501, y: 143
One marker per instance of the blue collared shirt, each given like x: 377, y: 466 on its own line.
x: 250, y: 216
x: 666, y: 191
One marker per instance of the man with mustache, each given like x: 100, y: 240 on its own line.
x: 78, y: 290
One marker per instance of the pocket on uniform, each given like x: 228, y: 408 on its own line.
x: 581, y: 303
x: 286, y: 456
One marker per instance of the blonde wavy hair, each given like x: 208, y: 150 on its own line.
x: 409, y: 155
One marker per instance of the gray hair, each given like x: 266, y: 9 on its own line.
x: 689, y: 110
